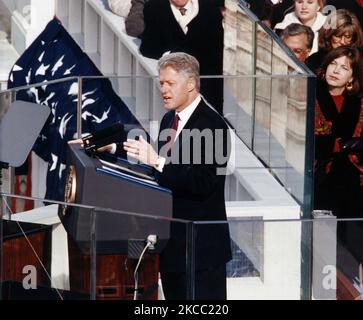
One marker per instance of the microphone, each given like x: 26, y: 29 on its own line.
x: 103, y: 137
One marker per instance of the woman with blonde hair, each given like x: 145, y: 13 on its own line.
x: 341, y: 28
x: 355, y: 6
x: 306, y: 12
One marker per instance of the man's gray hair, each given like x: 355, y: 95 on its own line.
x: 295, y: 29
x: 181, y: 62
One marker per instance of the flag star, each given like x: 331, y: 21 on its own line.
x: 63, y: 124
x: 73, y: 90
x: 17, y: 68
x: 103, y: 118
x: 41, y: 56
x: 68, y: 71
x: 42, y: 69
x: 54, y: 162
x: 57, y: 65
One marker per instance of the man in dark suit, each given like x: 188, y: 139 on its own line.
x: 192, y: 158
x: 191, y: 26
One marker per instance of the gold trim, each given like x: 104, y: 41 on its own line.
x: 70, y: 188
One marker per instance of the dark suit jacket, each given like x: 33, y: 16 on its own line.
x: 279, y: 10
x: 204, y: 40
x: 261, y: 8
x: 198, y: 194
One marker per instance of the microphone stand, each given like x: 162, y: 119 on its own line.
x: 3, y: 165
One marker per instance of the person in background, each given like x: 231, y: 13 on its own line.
x: 306, y: 12
x: 262, y: 9
x: 341, y: 28
x: 134, y: 22
x: 338, y: 167
x: 279, y: 9
x: 191, y: 26
x: 355, y: 6
x: 120, y: 7
x: 299, y: 39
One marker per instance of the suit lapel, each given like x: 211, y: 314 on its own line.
x: 195, y: 26
x: 165, y: 125
x: 171, y: 21
x: 191, y: 124
x: 196, y: 116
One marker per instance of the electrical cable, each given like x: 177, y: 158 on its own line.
x: 136, y: 275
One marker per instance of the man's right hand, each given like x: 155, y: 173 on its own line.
x: 111, y: 148
x: 76, y: 141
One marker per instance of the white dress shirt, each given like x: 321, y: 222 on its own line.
x: 184, y: 116
x: 192, y: 8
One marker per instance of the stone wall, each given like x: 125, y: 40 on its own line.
x: 268, y: 103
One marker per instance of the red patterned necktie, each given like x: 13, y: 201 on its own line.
x: 172, y: 134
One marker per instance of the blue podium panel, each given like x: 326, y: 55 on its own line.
x: 117, y: 186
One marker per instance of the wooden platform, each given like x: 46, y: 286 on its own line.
x: 115, y: 275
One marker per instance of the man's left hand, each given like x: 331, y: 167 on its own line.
x: 141, y: 150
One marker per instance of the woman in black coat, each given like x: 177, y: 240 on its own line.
x: 338, y: 175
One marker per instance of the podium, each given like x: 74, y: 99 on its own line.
x: 118, y: 236
x: 18, y: 250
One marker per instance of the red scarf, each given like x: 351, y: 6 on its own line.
x: 338, y: 100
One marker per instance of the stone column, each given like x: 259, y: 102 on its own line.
x: 28, y: 19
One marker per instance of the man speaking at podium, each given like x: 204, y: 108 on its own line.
x: 193, y: 151
x: 192, y: 158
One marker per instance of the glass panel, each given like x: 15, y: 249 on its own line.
x: 278, y: 127
x: 268, y: 98
x: 70, y: 252
x: 39, y: 256
x: 269, y: 258
x: 266, y: 262
x: 269, y: 111
x: 136, y: 250
x: 45, y: 165
x: 238, y: 59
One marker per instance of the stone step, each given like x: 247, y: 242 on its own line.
x: 8, y: 57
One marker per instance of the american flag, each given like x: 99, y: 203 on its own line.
x: 55, y: 55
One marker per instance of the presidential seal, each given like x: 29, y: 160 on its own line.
x: 69, y: 188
